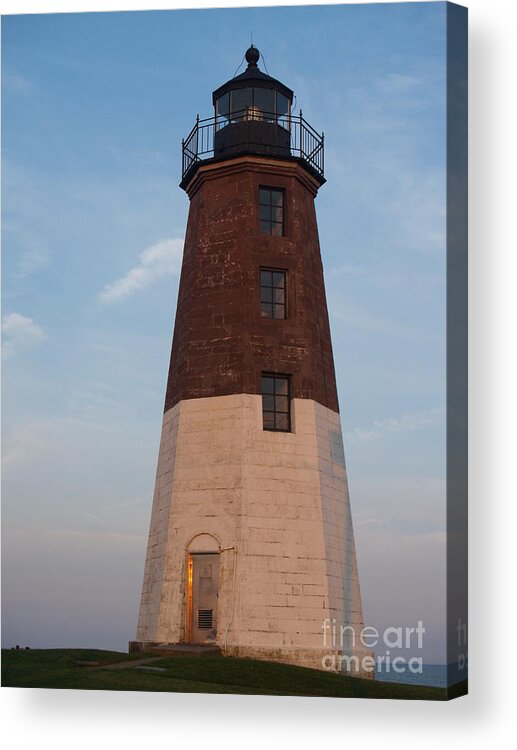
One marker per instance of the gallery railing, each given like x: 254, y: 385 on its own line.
x: 253, y: 131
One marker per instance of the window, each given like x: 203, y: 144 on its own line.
x: 273, y: 293
x: 271, y: 211
x: 276, y: 403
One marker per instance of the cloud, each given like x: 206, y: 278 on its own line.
x: 347, y: 269
x: 20, y: 333
x: 357, y: 316
x: 28, y: 222
x: 419, y: 420
x: 21, y: 447
x: 394, y: 83
x: 386, y: 162
x: 32, y: 260
x: 17, y: 83
x: 162, y: 259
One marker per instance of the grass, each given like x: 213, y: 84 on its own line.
x: 58, y: 668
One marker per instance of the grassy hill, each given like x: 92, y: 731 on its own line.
x: 59, y: 668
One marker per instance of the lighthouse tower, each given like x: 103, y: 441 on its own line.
x: 251, y: 545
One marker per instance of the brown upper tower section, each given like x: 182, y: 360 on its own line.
x: 252, y: 297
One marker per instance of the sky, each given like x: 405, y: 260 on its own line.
x: 94, y: 106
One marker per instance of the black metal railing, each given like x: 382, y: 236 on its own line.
x: 253, y: 131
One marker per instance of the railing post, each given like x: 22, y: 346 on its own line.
x: 301, y: 133
x: 182, y: 158
x: 322, y: 153
x: 197, y: 136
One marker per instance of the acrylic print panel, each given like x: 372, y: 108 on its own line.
x: 298, y: 498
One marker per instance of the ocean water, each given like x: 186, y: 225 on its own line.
x: 433, y: 675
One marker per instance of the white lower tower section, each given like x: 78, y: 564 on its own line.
x: 275, y: 507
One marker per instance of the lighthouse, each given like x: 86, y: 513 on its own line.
x: 251, y: 546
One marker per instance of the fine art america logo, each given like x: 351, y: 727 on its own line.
x: 351, y: 650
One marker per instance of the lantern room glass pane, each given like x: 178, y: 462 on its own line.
x: 222, y: 106
x: 242, y: 100
x: 282, y: 104
x: 264, y: 100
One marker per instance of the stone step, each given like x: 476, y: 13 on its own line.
x: 174, y: 649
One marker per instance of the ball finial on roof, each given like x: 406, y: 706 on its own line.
x: 252, y: 56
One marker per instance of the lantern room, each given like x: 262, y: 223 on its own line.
x: 253, y: 116
x: 253, y: 95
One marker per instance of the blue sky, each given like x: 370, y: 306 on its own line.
x: 93, y: 111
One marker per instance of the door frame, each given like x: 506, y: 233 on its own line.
x: 190, y: 570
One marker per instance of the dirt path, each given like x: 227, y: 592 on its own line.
x: 129, y: 664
